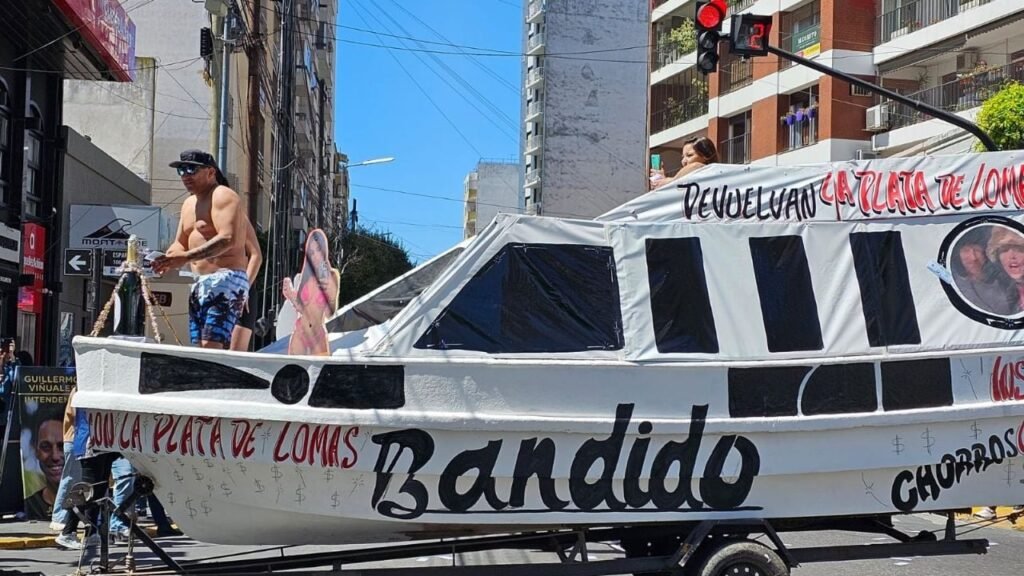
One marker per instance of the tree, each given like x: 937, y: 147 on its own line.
x: 371, y: 259
x: 1002, y: 117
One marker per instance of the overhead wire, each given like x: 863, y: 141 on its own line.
x: 495, y: 113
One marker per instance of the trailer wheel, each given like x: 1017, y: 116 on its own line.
x: 742, y: 558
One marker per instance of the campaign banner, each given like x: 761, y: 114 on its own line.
x: 42, y: 393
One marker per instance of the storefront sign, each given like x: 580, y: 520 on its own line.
x: 105, y: 25
x: 109, y: 227
x: 10, y: 244
x: 30, y: 298
x: 807, y: 43
x: 43, y: 393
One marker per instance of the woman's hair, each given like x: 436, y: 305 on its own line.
x: 705, y: 147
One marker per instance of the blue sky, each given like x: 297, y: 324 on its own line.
x: 381, y: 111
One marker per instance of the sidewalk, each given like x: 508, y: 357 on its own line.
x: 33, y: 534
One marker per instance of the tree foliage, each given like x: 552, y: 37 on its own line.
x: 1002, y: 117
x: 370, y: 260
x: 684, y: 36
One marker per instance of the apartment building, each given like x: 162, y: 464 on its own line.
x: 584, y: 114
x: 950, y: 53
x: 763, y: 110
x: 953, y: 55
x: 491, y: 188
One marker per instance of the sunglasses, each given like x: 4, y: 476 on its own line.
x: 188, y: 169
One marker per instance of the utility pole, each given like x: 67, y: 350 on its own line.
x: 282, y: 155
x: 254, y: 53
x: 227, y: 44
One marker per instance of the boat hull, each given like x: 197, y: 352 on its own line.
x: 236, y: 481
x: 476, y: 449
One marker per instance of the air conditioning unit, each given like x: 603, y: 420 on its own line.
x: 878, y: 118
x: 866, y: 155
x: 967, y: 60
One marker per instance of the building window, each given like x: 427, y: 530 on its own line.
x: 680, y: 304
x: 801, y: 32
x: 5, y: 144
x: 534, y: 298
x: 788, y: 306
x: 736, y: 148
x: 32, y: 179
x: 801, y: 120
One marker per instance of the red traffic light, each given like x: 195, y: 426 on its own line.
x: 712, y: 14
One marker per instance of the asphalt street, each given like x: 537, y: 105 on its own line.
x: 1004, y: 558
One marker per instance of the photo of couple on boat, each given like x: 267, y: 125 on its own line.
x: 988, y: 269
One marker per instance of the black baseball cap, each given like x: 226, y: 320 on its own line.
x: 200, y: 158
x: 195, y: 158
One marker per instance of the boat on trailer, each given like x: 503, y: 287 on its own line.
x: 749, y: 344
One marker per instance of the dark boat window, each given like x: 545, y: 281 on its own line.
x: 916, y: 384
x: 546, y: 298
x: 683, y: 320
x: 885, y: 295
x: 787, y: 297
x: 761, y: 392
x: 840, y: 389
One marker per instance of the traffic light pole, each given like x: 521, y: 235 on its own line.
x: 916, y: 105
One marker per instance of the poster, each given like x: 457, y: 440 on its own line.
x: 42, y: 392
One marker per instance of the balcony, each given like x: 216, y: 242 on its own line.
x: 533, y: 142
x: 735, y: 75
x: 533, y: 110
x: 535, y: 11
x: 964, y: 93
x: 736, y: 150
x: 914, y: 15
x: 535, y: 45
x: 669, y: 53
x: 737, y: 6
x: 532, y: 177
x: 534, y: 77
x: 676, y: 113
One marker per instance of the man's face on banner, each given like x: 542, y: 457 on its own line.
x: 50, y: 450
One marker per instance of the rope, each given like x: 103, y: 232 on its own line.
x: 148, y: 300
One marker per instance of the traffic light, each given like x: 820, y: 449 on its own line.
x: 750, y: 34
x: 708, y: 23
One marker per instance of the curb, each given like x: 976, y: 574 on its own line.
x: 1001, y: 512
x: 36, y: 540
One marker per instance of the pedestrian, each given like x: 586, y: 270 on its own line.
x: 72, y: 472
x: 242, y: 333
x: 211, y: 238
x: 95, y: 470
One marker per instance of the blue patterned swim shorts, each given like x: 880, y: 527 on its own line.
x: 216, y: 303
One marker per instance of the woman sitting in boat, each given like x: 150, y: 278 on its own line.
x: 1006, y: 247
x: 697, y: 153
x: 980, y: 281
x: 316, y: 300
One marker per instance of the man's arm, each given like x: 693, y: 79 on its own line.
x: 224, y: 213
x: 252, y: 248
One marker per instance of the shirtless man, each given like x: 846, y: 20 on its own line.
x: 243, y: 329
x: 211, y: 237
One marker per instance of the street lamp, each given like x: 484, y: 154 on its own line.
x: 383, y: 160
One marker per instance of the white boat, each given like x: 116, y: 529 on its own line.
x: 755, y: 343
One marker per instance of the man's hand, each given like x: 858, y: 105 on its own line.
x: 169, y: 261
